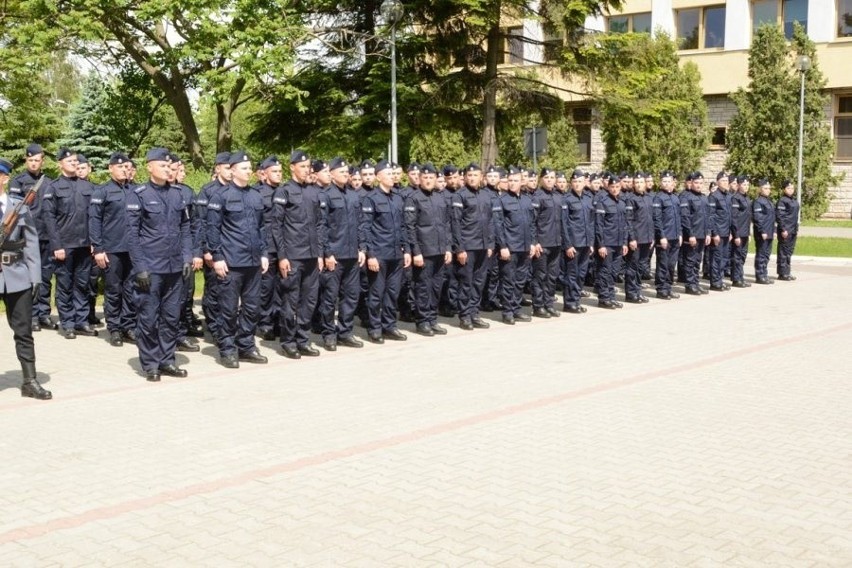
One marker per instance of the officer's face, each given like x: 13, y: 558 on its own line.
x: 639, y: 185
x: 548, y: 181
x: 414, y: 178
x: 83, y: 170
x: 4, y: 179
x: 34, y: 163
x: 368, y: 176
x: 68, y: 166
x: 492, y: 178
x: 440, y: 183
x: 667, y: 184
x: 397, y: 175
x: 503, y: 184
x: 723, y: 184
x: 789, y: 190
x: 765, y: 190
x: 131, y: 172
x: 340, y: 176
x: 577, y: 185
x: 385, y: 178
x: 241, y: 173
x: 732, y: 186
x: 649, y: 183
x: 473, y: 178
x: 698, y: 184
x: 532, y: 182
x: 744, y: 187
x: 159, y: 171
x: 301, y: 171
x: 427, y: 181
x: 454, y: 180
x: 181, y: 172
x: 224, y: 172
x: 323, y: 177
x: 515, y: 183
x: 614, y: 188
x: 118, y: 172
x: 173, y: 171
x: 355, y: 180
x: 561, y: 184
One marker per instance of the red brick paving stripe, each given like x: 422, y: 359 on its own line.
x: 112, y: 511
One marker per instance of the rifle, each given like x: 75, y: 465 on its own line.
x: 11, y: 220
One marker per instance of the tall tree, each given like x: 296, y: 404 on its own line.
x: 763, y: 136
x: 86, y: 132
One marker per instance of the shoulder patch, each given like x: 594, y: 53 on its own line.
x: 600, y: 211
x: 133, y: 207
x: 411, y: 208
x: 96, y: 200
x: 367, y: 209
x: 47, y: 195
x: 322, y: 203
x: 658, y: 204
x: 629, y: 207
x: 281, y: 200
x: 201, y: 202
x: 536, y: 204
x: 564, y: 206
x: 214, y: 206
x: 457, y: 204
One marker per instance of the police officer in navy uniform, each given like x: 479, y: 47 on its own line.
x: 515, y: 239
x: 210, y: 298
x: 668, y: 236
x: 236, y: 237
x: 448, y: 304
x: 297, y: 230
x: 610, y: 242
x: 578, y: 230
x: 20, y: 276
x: 65, y: 211
x: 473, y: 244
x: 491, y: 291
x: 382, y: 239
x: 696, y: 233
x: 427, y: 227
x: 270, y: 295
x: 160, y: 243
x: 342, y: 260
x: 787, y: 216
x: 108, y: 235
x: 719, y: 204
x: 763, y: 218
x: 740, y: 230
x: 547, y: 260
x: 640, y: 229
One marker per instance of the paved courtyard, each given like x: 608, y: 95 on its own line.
x: 710, y: 431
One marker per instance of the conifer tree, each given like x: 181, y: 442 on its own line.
x: 87, y: 132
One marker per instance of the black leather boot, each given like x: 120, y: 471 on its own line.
x: 31, y: 387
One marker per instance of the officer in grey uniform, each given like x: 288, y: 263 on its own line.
x: 20, y: 276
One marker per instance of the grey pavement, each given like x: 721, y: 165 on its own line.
x: 835, y: 232
x: 706, y: 431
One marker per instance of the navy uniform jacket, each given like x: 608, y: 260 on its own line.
x: 342, y: 219
x: 640, y: 217
x: 763, y: 216
x: 21, y: 275
x: 719, y: 204
x: 740, y: 215
x: 235, y: 229
x: 196, y: 237
x: 108, y: 218
x: 381, y: 233
x: 267, y: 192
x: 548, y: 219
x: 471, y: 220
x: 199, y: 210
x: 19, y: 186
x: 610, y: 222
x: 427, y: 223
x: 297, y: 226
x: 578, y: 220
x: 514, y: 222
x: 667, y: 224
x: 787, y: 215
x: 693, y: 215
x: 158, y: 231
x: 65, y: 212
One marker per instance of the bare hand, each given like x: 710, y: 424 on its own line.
x: 221, y: 268
x: 264, y: 264
x: 571, y: 252
x: 692, y: 242
x: 362, y: 258
x: 632, y: 245
x: 373, y: 264
x: 602, y: 252
x: 197, y: 263
x: 488, y: 253
x: 284, y: 267
x: 624, y: 249
x: 418, y: 260
x: 330, y: 263
x: 102, y: 260
x: 737, y: 241
x: 504, y: 253
x: 664, y: 243
x: 462, y: 258
x: 208, y: 259
x: 319, y: 263
x: 448, y: 257
x: 406, y: 260
x: 59, y: 255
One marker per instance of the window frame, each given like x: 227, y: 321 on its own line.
x: 512, y: 34
x: 779, y: 15
x: 702, y: 28
x: 586, y: 123
x: 838, y: 116
x: 630, y: 27
x: 716, y: 129
x: 839, y: 24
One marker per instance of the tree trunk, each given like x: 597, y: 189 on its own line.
x: 489, y: 150
x: 224, y: 112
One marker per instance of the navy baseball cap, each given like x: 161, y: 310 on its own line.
x: 297, y: 156
x: 118, y: 158
x: 337, y: 163
x: 383, y: 165
x: 428, y: 168
x: 34, y: 149
x: 239, y: 157
x: 157, y: 155
x: 268, y: 162
x: 318, y: 165
x: 449, y: 169
x: 81, y: 159
x: 472, y: 167
x: 64, y: 153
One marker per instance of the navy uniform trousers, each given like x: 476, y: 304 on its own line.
x: 158, y: 314
x: 383, y: 295
x: 72, y: 287
x: 428, y: 281
x: 341, y: 289
x: 471, y: 281
x: 667, y: 261
x: 299, y: 292
x: 119, y: 308
x: 239, y: 305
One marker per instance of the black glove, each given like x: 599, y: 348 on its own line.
x: 35, y: 289
x: 187, y: 270
x: 143, y: 281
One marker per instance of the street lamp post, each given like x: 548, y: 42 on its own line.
x: 803, y: 63
x: 392, y: 13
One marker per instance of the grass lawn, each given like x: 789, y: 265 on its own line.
x: 816, y: 246
x: 830, y: 224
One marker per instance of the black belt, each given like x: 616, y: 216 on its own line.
x: 14, y: 245
x: 8, y: 257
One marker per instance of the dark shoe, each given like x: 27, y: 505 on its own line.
x: 740, y: 284
x: 129, y: 336
x: 194, y: 331
x: 329, y: 344
x: 526, y: 303
x: 68, y: 333
x: 703, y: 290
x: 787, y: 277
x: 765, y: 281
x: 152, y: 376
x: 574, y: 309
x: 585, y: 294
x: 553, y: 312
x: 308, y: 351
x: 618, y: 304
x: 663, y: 296
x: 424, y: 329
x: 186, y: 346
x: 479, y: 323
x: 722, y: 288
x: 47, y: 323
x: 32, y: 389
x: 87, y: 330
x: 93, y: 320
x: 350, y: 341
x: 509, y: 319
x: 636, y: 300
x: 541, y: 313
x: 36, y: 326
x: 394, y: 335
x: 439, y: 330
x: 269, y: 335
x: 607, y: 304
x: 466, y: 324
x: 230, y: 361
x: 253, y: 356
x: 172, y: 371
x: 115, y: 339
x: 446, y: 313
x: 407, y: 317
x: 522, y: 317
x: 692, y: 291
x: 290, y: 352
x: 375, y: 338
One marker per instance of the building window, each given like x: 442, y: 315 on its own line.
x: 844, y: 18
x: 843, y: 127
x: 719, y: 139
x: 582, y: 117
x: 514, y: 53
x: 636, y: 23
x: 782, y: 12
x: 701, y: 28
x: 553, y: 47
